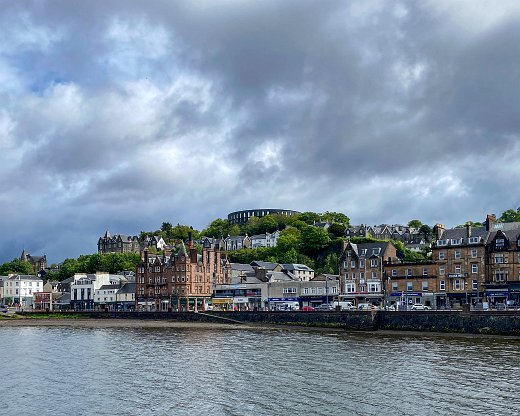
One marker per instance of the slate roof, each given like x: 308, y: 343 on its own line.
x: 264, y: 264
x: 367, y: 250
x: 127, y: 288
x: 25, y: 277
x: 461, y: 233
x: 510, y: 229
x: 108, y: 287
x: 242, y: 267
x: 299, y: 267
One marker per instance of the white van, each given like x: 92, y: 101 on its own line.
x: 344, y: 305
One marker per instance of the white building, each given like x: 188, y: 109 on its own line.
x: 85, y: 286
x: 265, y: 240
x: 300, y: 271
x: 19, y: 289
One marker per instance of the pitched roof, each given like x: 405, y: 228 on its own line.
x: 241, y: 267
x: 264, y: 264
x: 127, y: 288
x: 462, y: 233
x: 299, y: 267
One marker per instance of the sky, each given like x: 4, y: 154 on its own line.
x: 121, y: 115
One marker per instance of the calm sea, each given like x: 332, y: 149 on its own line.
x: 93, y: 371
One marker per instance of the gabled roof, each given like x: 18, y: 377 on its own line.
x: 511, y: 230
x: 25, y: 277
x: 367, y: 250
x: 461, y: 233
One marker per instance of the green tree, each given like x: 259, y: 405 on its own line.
x: 289, y: 239
x: 510, y: 216
x: 218, y: 228
x: 313, y: 240
x: 415, y: 224
x: 336, y: 230
x: 16, y: 266
x: 268, y: 224
x: 336, y: 217
x: 235, y: 230
x: 309, y: 218
x: 252, y: 226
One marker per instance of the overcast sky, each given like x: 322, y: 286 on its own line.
x: 120, y: 115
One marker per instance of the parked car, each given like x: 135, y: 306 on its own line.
x: 308, y: 308
x: 364, y: 306
x: 325, y: 307
x: 344, y: 305
x: 420, y: 307
x: 3, y: 309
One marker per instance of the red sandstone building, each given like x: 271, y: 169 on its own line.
x: 180, y: 279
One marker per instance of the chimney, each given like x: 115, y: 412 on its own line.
x: 190, y: 240
x: 490, y: 220
x: 468, y: 229
x: 438, y: 230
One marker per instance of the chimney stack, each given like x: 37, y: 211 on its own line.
x: 490, y: 220
x: 190, y: 240
x: 438, y: 230
x: 468, y: 229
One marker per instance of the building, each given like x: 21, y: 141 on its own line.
x: 396, y: 232
x: 125, y: 297
x: 84, y: 288
x: 19, y: 289
x: 241, y: 217
x: 181, y: 279
x: 237, y: 242
x: 300, y: 271
x: 265, y: 240
x: 502, y: 259
x: 37, y: 262
x: 118, y: 243
x: 361, y: 271
x: 460, y: 257
x: 408, y: 283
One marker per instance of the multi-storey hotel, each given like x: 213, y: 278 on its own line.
x: 181, y: 279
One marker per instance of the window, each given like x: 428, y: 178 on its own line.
x: 499, y: 242
x: 320, y: 290
x: 361, y: 263
x: 306, y: 291
x: 394, y: 286
x: 499, y: 258
x: 500, y: 276
x: 352, y: 264
x: 409, y: 286
x: 442, y: 242
x: 473, y: 240
x: 289, y: 290
x: 374, y: 287
x: 442, y: 255
x: 425, y: 271
x: 458, y: 269
x: 350, y: 287
x: 457, y: 254
x: 441, y: 270
x: 456, y: 241
x: 373, y: 262
x: 474, y: 268
x: 374, y: 275
x: 442, y: 285
x: 475, y: 284
x: 408, y: 272
x: 157, y: 268
x: 362, y: 276
x: 394, y: 272
x: 425, y: 285
x: 473, y: 253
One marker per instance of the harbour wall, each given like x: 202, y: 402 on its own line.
x: 474, y: 322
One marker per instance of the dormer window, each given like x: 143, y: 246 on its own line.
x: 473, y: 240
x: 442, y: 242
x: 456, y: 241
x: 499, y: 242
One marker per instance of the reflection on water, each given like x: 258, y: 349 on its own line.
x: 63, y: 370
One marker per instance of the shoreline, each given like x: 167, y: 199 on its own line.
x: 174, y: 324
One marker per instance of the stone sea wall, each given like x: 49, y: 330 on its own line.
x: 496, y: 323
